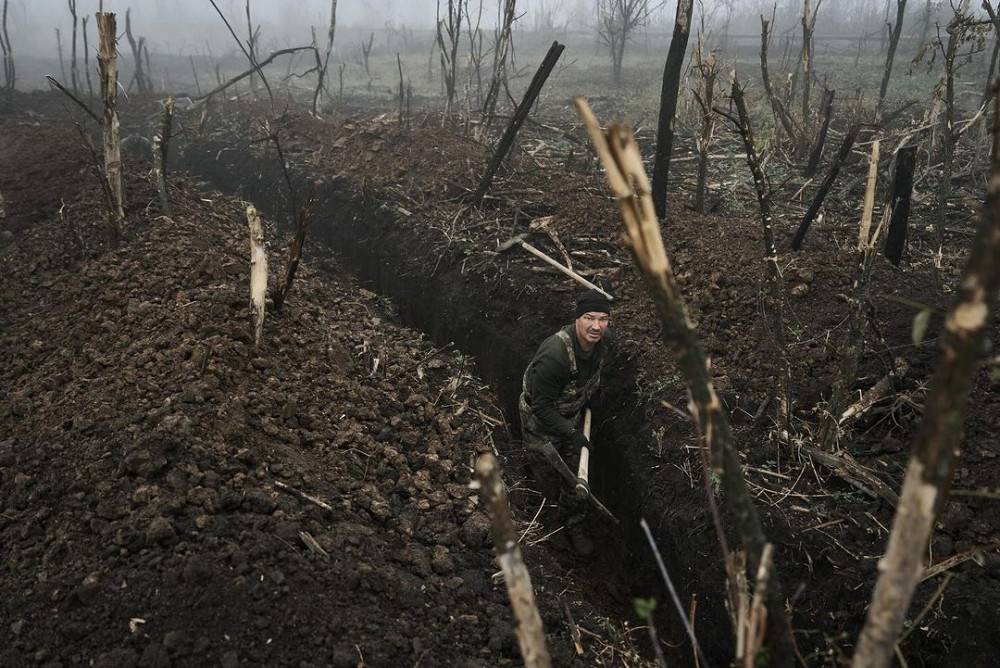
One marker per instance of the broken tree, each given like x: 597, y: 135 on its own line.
x: 107, y: 58
x: 517, y: 120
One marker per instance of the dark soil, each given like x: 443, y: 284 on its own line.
x: 152, y: 459
x: 391, y: 207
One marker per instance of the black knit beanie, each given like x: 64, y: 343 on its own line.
x: 591, y: 302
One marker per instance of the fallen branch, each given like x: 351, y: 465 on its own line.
x: 62, y: 89
x: 302, y: 495
x: 851, y: 471
x: 831, y: 176
x: 874, y: 394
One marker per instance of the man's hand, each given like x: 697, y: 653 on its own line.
x: 580, y: 440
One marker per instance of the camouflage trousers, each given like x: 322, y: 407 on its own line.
x: 550, y: 483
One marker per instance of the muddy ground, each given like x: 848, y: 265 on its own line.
x: 392, y: 211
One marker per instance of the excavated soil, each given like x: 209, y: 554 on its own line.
x: 154, y: 463
x: 392, y: 207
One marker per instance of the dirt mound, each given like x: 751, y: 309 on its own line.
x: 170, y: 494
x: 395, y: 206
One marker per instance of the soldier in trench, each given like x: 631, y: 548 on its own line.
x: 560, y: 382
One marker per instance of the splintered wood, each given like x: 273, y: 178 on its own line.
x: 530, y: 632
x: 258, y: 271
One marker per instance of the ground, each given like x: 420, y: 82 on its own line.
x: 152, y: 409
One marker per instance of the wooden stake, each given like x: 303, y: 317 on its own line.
x: 530, y: 632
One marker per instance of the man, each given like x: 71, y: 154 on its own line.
x: 558, y: 384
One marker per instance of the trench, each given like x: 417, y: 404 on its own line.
x: 499, y: 326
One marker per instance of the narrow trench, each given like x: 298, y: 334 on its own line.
x: 455, y: 307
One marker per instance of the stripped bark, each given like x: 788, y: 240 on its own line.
x: 774, y: 303
x: 517, y: 120
x: 630, y: 187
x: 530, y: 632
x: 258, y: 272
x: 107, y: 58
x: 161, y: 149
x: 845, y: 150
x: 932, y: 466
x: 669, y: 90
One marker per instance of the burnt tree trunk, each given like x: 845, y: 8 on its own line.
x: 838, y: 162
x: 777, y: 107
x: 897, y: 29
x: 517, y: 120
x: 668, y: 104
x: 817, y: 150
x: 902, y: 189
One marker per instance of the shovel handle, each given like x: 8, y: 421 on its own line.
x: 566, y: 270
x: 583, y: 471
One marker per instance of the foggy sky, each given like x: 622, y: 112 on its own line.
x: 185, y: 26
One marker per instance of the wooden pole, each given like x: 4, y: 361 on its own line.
x: 530, y: 632
x: 107, y: 58
x: 517, y: 120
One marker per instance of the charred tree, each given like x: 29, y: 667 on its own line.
x: 774, y: 303
x: 449, y: 33
x: 709, y: 70
x: 366, y: 52
x: 902, y: 189
x: 498, y: 74
x: 831, y: 176
x: 932, y: 465
x: 895, y: 31
x: 808, y: 27
x: 777, y: 106
x: 73, y: 69
x: 161, y: 151
x: 9, y: 73
x: 517, y: 120
x: 302, y: 221
x: 141, y: 82
x: 86, y: 59
x: 817, y: 150
x: 668, y: 104
x: 630, y: 187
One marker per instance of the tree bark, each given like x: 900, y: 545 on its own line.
x: 931, y: 469
x: 73, y: 69
x: 9, y: 73
x: 107, y: 58
x: 897, y: 29
x: 777, y: 107
x: 668, y: 104
x: 817, y: 151
x: 161, y: 151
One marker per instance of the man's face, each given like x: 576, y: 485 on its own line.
x: 590, y: 327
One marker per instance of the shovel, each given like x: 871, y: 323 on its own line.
x: 559, y: 464
x: 519, y: 240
